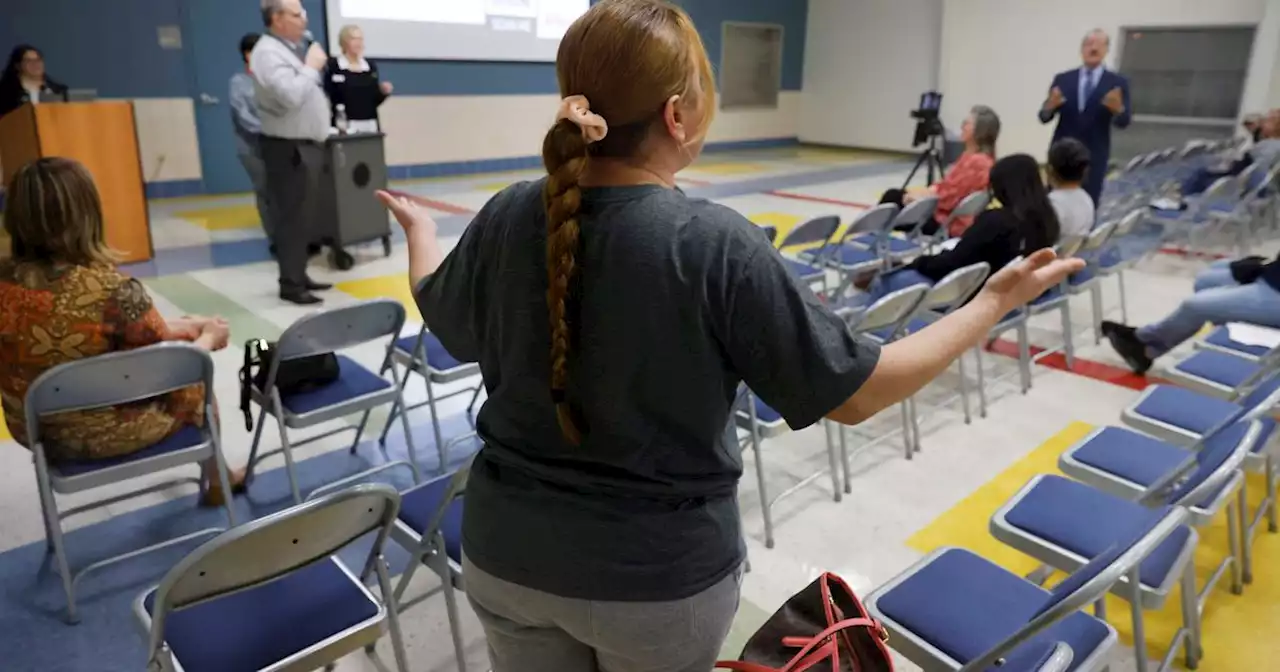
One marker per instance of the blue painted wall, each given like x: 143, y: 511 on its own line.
x: 112, y: 46
x: 108, y: 45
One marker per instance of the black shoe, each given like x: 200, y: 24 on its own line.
x: 1126, y: 343
x: 313, y: 286
x: 300, y: 297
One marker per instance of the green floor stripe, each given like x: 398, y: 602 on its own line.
x: 749, y: 619
x: 196, y: 298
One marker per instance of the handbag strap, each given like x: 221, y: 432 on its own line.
x: 811, y: 653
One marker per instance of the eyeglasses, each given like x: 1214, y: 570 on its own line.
x: 33, y: 58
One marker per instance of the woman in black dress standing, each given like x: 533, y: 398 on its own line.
x: 354, y: 89
x: 24, y: 81
x: 353, y: 84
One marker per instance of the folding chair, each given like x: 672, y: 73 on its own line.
x: 885, y: 321
x: 954, y: 610
x: 1219, y: 374
x: 971, y: 206
x: 946, y: 295
x: 429, y: 526
x: 1059, y: 299
x: 762, y: 422
x: 1088, y: 280
x: 1064, y: 524
x: 913, y: 219
x: 425, y: 355
x: 1114, y: 260
x: 1219, y: 340
x: 1184, y: 417
x: 771, y: 232
x: 854, y: 263
x: 817, y: 234
x: 271, y: 594
x: 108, y: 380
x: 356, y: 390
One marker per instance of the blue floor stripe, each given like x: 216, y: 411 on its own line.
x: 194, y: 258
x: 33, y: 635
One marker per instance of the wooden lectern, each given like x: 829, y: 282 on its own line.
x: 103, y: 137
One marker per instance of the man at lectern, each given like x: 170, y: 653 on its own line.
x: 24, y: 81
x: 294, y: 112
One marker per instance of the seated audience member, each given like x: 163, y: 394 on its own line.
x: 62, y: 299
x: 24, y: 81
x: 1026, y: 222
x: 1245, y: 290
x: 979, y: 133
x: 1068, y: 167
x: 1258, y: 145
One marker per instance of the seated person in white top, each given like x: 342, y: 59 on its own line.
x: 1068, y: 169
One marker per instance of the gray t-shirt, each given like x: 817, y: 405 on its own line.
x: 676, y: 301
x: 1076, y: 213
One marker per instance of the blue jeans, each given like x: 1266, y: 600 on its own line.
x: 1218, y: 300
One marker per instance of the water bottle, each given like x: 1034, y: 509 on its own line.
x: 340, y: 119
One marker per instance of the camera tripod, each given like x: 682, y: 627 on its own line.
x: 931, y: 158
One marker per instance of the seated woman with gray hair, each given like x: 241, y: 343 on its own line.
x: 969, y: 174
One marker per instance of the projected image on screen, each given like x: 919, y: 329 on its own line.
x: 480, y: 30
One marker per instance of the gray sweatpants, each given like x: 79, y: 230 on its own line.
x: 533, y: 631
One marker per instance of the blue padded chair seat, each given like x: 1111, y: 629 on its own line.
x: 963, y: 605
x: 896, y: 245
x: 1221, y: 337
x: 353, y: 381
x: 1218, y: 367
x: 186, y: 437
x: 1048, y: 297
x: 1088, y: 522
x: 1110, y: 258
x: 437, y: 357
x: 1133, y: 456
x: 802, y: 270
x: 418, y: 506
x: 854, y: 256
x: 252, y: 629
x: 1185, y: 409
x: 916, y: 324
x: 764, y: 413
x: 1088, y: 274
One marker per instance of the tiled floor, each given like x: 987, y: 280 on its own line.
x: 211, y: 259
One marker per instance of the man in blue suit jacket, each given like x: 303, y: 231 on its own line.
x: 1087, y: 101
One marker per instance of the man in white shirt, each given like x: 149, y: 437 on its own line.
x: 294, y: 114
x: 1068, y: 169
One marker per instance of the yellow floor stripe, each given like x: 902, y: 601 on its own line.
x: 223, y: 218
x: 1235, y: 627
x: 394, y: 286
x: 4, y: 432
x: 727, y: 168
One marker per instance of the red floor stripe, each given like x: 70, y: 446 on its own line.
x: 818, y: 199
x: 1099, y: 371
x: 445, y: 207
x: 1179, y: 252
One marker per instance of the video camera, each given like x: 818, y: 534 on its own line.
x: 929, y: 124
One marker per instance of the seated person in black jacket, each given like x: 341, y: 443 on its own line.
x: 24, y: 81
x: 1026, y: 222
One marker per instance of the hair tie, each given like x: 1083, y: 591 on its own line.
x: 578, y: 110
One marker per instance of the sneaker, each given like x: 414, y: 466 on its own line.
x: 1124, y: 339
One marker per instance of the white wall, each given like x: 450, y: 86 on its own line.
x: 866, y: 64
x: 433, y: 129
x: 1004, y: 53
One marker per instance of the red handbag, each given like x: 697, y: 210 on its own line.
x: 823, y: 628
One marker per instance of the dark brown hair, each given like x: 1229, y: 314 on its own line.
x: 628, y: 58
x: 53, y: 215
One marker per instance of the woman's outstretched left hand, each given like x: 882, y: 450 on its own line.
x: 410, y: 211
x: 1020, y: 283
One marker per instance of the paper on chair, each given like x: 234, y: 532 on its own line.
x: 1252, y: 334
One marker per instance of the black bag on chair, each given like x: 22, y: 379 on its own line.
x: 295, y: 375
x: 823, y: 628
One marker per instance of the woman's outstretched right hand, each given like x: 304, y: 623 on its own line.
x: 410, y: 211
x: 1020, y: 283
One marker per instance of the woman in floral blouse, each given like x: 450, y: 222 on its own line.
x: 62, y: 299
x: 970, y: 173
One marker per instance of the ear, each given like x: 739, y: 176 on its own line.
x: 674, y: 119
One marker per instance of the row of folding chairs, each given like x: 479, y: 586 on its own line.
x: 126, y: 377
x: 1180, y: 467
